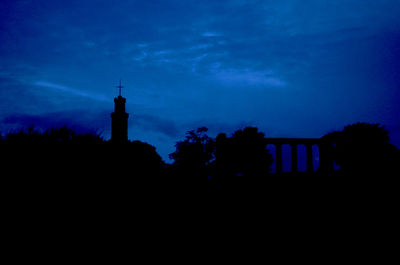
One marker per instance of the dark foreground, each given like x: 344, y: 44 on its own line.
x: 69, y: 202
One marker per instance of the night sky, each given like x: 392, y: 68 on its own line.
x: 293, y: 68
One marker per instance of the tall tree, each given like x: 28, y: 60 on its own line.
x: 194, y: 155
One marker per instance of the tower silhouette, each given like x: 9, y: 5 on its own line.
x: 119, y: 120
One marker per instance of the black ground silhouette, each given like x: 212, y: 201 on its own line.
x: 65, y: 159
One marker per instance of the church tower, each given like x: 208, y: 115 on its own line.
x: 119, y: 120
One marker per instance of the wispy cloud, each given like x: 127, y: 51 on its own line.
x: 249, y: 77
x: 72, y: 91
x: 211, y: 34
x: 200, y: 47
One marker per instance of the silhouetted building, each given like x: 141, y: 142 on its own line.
x: 119, y: 120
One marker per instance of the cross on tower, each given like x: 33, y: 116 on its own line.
x: 120, y: 86
x: 119, y: 119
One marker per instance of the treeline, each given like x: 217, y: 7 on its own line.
x: 361, y: 150
x: 61, y: 153
x: 61, y: 171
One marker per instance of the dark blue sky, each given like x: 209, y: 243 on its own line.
x: 293, y: 68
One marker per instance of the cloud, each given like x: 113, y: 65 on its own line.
x: 249, y: 77
x: 200, y: 47
x: 211, y: 34
x: 154, y: 123
x: 71, y: 91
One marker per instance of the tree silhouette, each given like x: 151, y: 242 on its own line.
x: 53, y: 136
x: 61, y: 151
x: 146, y: 161
x: 194, y: 155
x: 244, y: 154
x: 363, y: 149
